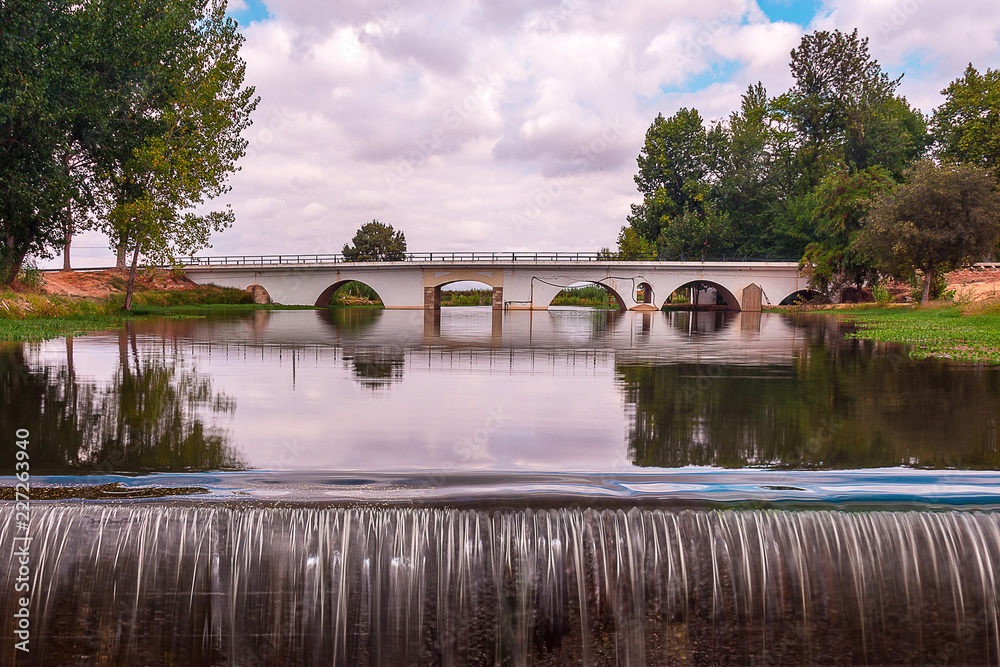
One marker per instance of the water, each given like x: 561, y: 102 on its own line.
x: 573, y: 390
x: 548, y: 488
x: 368, y: 586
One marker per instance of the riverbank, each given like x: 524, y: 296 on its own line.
x: 962, y: 332
x: 71, y: 303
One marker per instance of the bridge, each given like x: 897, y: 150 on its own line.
x: 519, y: 280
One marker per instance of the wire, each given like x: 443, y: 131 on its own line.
x: 633, y: 280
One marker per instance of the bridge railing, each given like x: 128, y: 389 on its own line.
x: 496, y: 257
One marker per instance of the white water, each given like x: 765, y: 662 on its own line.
x: 133, y: 585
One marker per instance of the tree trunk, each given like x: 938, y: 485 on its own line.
x: 13, y: 266
x: 928, y: 280
x: 120, y: 263
x: 69, y: 220
x: 69, y: 240
x: 130, y: 288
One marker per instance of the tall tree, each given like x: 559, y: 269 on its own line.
x: 843, y: 199
x: 837, y: 85
x: 967, y: 125
x: 759, y: 172
x: 678, y: 158
x: 376, y: 242
x: 941, y: 217
x: 193, y: 109
x: 35, y: 104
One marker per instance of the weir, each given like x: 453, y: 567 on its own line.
x: 242, y: 585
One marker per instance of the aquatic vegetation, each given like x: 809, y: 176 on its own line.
x: 970, y: 334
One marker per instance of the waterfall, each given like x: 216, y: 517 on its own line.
x: 239, y: 585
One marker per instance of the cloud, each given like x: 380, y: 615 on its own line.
x: 475, y: 125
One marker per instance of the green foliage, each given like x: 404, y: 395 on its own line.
x: 472, y: 297
x: 881, y: 294
x: 201, y: 108
x: 353, y: 293
x: 843, y: 106
x: 376, y: 242
x: 749, y: 185
x: 937, y: 290
x: 935, y: 332
x: 123, y: 112
x: 633, y: 246
x: 942, y: 217
x: 842, y: 202
x: 593, y: 296
x: 37, y: 105
x: 31, y: 277
x: 194, y: 297
x: 679, y: 154
x: 967, y: 125
x: 695, y: 234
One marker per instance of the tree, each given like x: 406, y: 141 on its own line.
x: 631, y: 246
x: 35, y: 98
x: 376, y: 242
x: 130, y: 107
x: 759, y: 172
x: 840, y: 95
x: 678, y: 157
x: 942, y: 217
x: 842, y: 202
x: 200, y: 108
x: 967, y: 125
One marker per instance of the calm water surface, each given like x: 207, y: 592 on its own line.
x: 568, y: 487
x: 308, y: 394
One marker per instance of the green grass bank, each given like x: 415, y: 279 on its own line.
x: 968, y: 333
x: 26, y: 316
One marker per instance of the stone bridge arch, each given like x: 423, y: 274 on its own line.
x: 612, y: 294
x: 544, y: 291
x: 434, y: 280
x: 732, y: 302
x: 323, y: 300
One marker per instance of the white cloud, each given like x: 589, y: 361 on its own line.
x: 515, y: 125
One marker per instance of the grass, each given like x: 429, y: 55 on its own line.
x: 355, y: 295
x: 961, y: 332
x: 470, y: 297
x: 588, y: 295
x: 199, y: 296
x: 31, y: 316
x: 54, y: 327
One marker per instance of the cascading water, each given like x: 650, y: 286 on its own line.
x: 239, y: 585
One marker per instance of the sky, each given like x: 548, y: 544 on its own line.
x: 515, y: 125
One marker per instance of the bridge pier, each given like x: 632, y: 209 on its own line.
x: 432, y: 298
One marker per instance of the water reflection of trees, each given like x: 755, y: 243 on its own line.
x: 153, y: 414
x: 838, y: 405
x: 376, y: 368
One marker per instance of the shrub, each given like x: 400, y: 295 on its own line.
x: 881, y: 294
